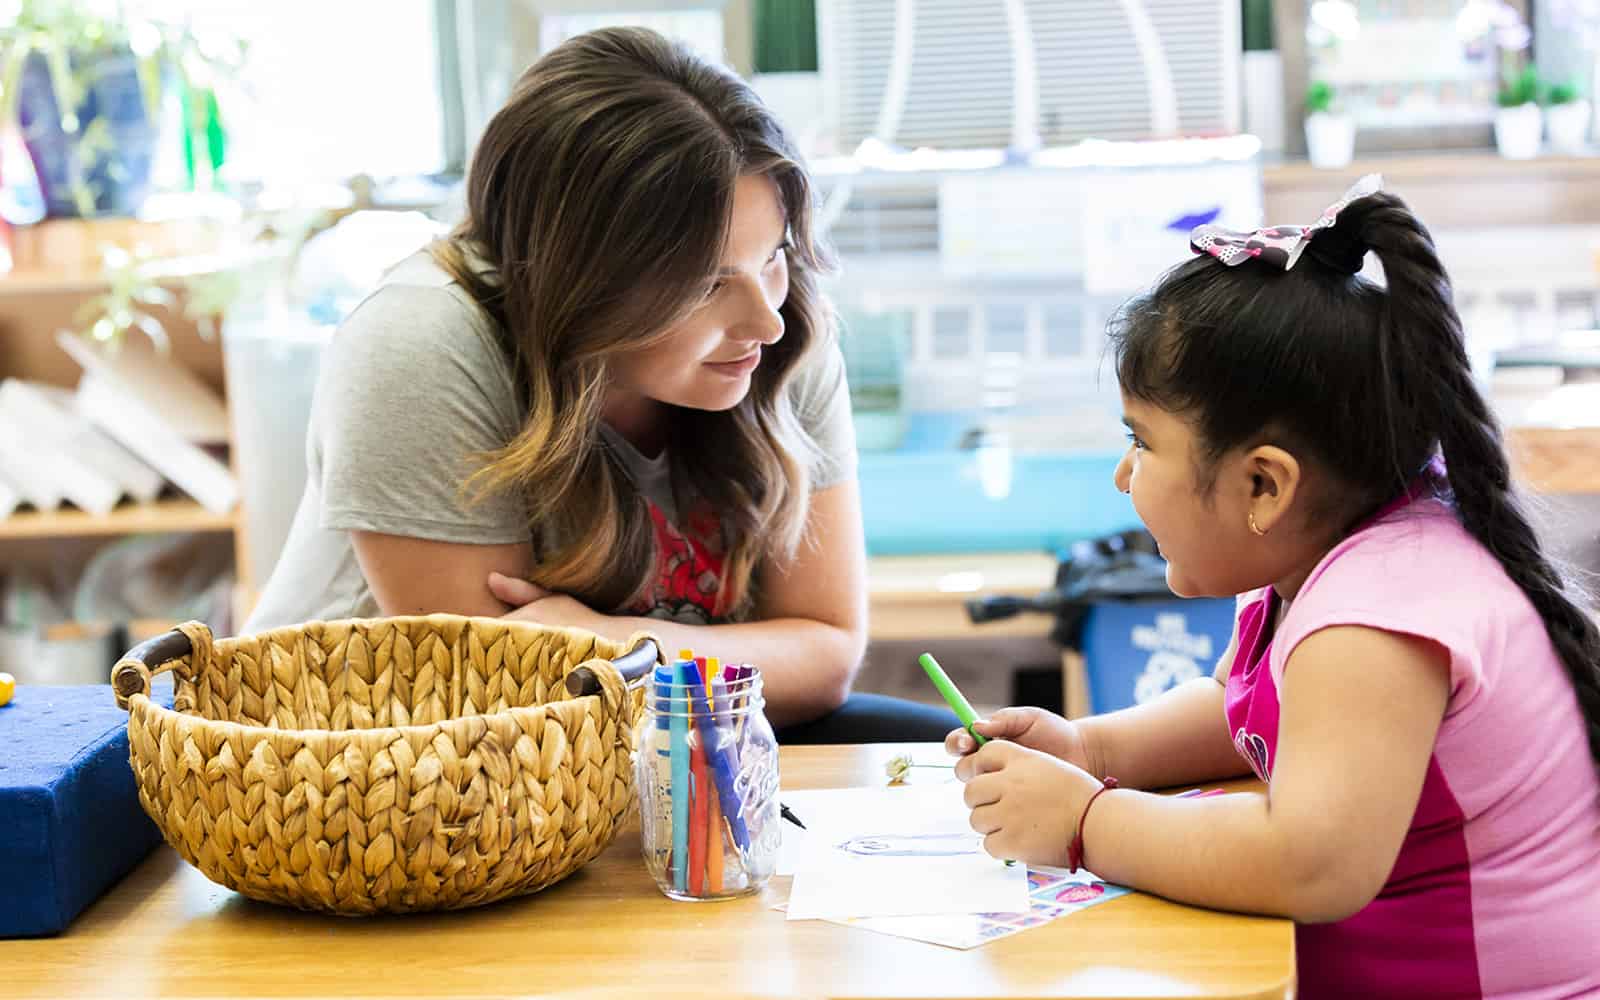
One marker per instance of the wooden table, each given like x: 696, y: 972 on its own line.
x: 606, y: 931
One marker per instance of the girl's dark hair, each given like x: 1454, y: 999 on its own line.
x: 1367, y: 382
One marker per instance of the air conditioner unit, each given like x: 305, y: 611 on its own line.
x: 962, y: 74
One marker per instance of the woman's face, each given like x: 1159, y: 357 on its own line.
x: 707, y: 360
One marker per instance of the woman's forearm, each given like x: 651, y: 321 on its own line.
x: 807, y: 667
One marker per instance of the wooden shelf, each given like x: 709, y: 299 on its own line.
x: 128, y: 519
x: 1462, y: 189
x: 67, y: 256
x: 1465, y: 164
x: 1556, y: 460
x: 86, y: 278
x: 923, y: 596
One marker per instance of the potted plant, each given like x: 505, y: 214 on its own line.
x: 1566, y: 117
x: 1579, y: 22
x: 1330, y: 131
x: 1494, y: 29
x: 1518, y: 123
x: 91, y: 87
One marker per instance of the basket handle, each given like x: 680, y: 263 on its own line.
x: 132, y: 673
x: 632, y: 665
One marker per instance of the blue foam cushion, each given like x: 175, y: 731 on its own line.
x: 70, y: 820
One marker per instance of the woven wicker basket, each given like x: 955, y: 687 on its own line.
x: 385, y: 765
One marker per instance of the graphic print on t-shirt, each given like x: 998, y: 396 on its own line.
x: 1254, y: 750
x: 688, y: 583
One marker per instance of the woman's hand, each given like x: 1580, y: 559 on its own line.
x: 532, y: 603
x: 1031, y: 727
x: 514, y: 591
x: 1025, y: 803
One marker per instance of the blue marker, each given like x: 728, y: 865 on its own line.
x: 724, y: 766
x: 679, y: 730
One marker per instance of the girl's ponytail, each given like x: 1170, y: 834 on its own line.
x: 1428, y: 374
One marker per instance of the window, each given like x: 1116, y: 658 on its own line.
x: 330, y: 89
x: 952, y: 333
x: 1063, y: 330
x: 1007, y: 328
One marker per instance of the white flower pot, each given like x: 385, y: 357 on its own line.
x: 1568, y: 126
x: 1330, y: 139
x: 1517, y: 131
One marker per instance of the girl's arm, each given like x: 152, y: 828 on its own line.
x: 809, y: 628
x: 1178, y: 738
x: 1360, y: 711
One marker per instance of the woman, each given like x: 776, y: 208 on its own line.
x: 610, y: 399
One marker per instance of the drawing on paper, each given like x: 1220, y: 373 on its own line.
x: 907, y: 845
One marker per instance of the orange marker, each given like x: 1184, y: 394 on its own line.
x: 714, y: 844
x: 698, y: 815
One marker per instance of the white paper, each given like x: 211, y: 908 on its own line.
x: 889, y: 852
x: 1054, y: 893
x: 827, y: 808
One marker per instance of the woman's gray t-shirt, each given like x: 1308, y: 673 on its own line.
x: 412, y: 387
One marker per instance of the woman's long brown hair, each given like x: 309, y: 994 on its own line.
x: 598, y: 203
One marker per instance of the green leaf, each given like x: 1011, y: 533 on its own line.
x: 1522, y: 88
x: 150, y: 85
x: 155, y: 295
x: 16, y: 57
x: 68, y: 93
x: 1561, y: 93
x: 1320, y: 97
x: 97, y: 140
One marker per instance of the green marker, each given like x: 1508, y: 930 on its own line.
x: 958, y: 703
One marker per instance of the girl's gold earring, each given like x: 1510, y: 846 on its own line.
x: 1255, y: 527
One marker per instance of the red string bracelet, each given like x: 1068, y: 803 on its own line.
x: 1075, y: 849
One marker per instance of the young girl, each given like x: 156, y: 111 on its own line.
x: 611, y: 399
x: 1408, y: 671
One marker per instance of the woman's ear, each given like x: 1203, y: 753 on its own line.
x: 1275, y: 478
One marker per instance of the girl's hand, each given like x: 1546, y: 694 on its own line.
x: 1035, y: 728
x: 514, y: 591
x: 1024, y: 802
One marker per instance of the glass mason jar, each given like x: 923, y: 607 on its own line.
x: 706, y: 771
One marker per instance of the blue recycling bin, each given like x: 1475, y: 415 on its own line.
x: 1135, y: 650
